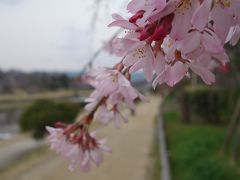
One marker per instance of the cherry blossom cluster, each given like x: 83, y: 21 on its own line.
x: 170, y: 39
x: 112, y: 84
x: 77, y: 145
x: 113, y: 91
x: 166, y: 39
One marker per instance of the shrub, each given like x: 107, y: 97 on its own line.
x: 208, y: 103
x: 43, y: 113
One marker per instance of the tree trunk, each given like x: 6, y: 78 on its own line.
x: 185, y: 109
x: 236, y: 146
x: 232, y: 126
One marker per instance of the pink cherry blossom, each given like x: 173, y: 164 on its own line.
x: 166, y: 39
x: 79, y: 150
x: 58, y: 141
x: 179, y: 59
x: 233, y: 35
x: 118, y: 90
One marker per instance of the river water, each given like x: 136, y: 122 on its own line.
x: 9, y: 118
x: 9, y: 122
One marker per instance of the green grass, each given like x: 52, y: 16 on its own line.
x: 153, y: 171
x: 195, y: 151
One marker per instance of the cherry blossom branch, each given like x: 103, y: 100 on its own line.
x: 89, y: 118
x: 167, y: 40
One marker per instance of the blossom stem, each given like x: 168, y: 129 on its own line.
x: 89, y: 118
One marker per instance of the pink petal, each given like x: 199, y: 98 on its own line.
x: 234, y: 35
x: 159, y: 63
x: 122, y: 81
x: 135, y: 67
x: 175, y: 73
x: 160, y: 4
x: 190, y: 43
x: 117, y: 121
x: 160, y: 78
x: 97, y: 156
x: 135, y: 5
x: 201, y: 16
x: 212, y: 43
x: 206, y: 75
x: 123, y: 24
x: 222, y: 21
x: 222, y: 57
x: 147, y: 63
x: 117, y: 16
x: 180, y: 25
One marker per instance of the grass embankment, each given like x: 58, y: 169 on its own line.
x: 21, y: 99
x: 154, y: 169
x: 195, y: 151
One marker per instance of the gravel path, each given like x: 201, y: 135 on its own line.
x: 10, y: 153
x: 130, y: 157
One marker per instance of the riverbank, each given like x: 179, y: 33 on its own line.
x: 12, y: 106
x: 130, y: 159
x: 21, y: 99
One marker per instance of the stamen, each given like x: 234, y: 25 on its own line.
x: 139, y: 53
x: 223, y: 3
x: 182, y: 6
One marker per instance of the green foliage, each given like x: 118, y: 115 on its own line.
x: 171, y: 116
x: 46, y: 113
x: 195, y: 151
x: 153, y: 170
x: 205, y: 102
x: 210, y: 104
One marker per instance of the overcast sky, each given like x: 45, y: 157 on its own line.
x: 53, y: 35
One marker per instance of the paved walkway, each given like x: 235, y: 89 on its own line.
x: 130, y: 157
x: 10, y: 153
